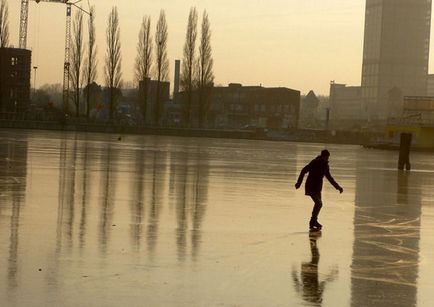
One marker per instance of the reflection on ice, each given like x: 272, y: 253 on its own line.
x: 88, y: 219
x: 309, y: 284
x: 13, y: 155
x: 387, y: 234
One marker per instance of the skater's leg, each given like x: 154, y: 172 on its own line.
x: 316, y: 209
x: 317, y: 206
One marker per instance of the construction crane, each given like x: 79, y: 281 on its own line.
x: 23, y: 38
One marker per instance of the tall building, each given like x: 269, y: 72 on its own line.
x: 395, y: 54
x: 430, y: 85
x: 14, y: 80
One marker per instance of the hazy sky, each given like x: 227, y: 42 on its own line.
x: 291, y: 43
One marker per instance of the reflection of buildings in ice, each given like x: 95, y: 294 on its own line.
x: 13, y: 172
x: 386, y: 238
x: 189, y: 188
x: 308, y: 283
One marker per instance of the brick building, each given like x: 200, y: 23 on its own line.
x: 15, y: 69
x: 237, y: 106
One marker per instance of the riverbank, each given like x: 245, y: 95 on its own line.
x: 294, y: 135
x: 395, y: 147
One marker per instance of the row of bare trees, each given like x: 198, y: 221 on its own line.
x: 161, y: 61
x: 151, y: 61
x: 144, y: 61
x: 113, y: 60
x: 147, y: 66
x: 83, y: 59
x: 4, y: 24
x: 197, y: 68
x: 4, y: 34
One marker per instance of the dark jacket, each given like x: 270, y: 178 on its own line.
x: 317, y: 169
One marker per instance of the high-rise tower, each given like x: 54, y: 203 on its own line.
x: 395, y: 54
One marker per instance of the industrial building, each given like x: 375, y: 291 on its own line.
x: 15, y: 68
x: 151, y: 94
x: 395, y: 53
x: 236, y: 106
x: 417, y: 119
x: 346, y: 106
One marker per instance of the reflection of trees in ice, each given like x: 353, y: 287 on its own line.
x: 13, y: 172
x: 189, y: 188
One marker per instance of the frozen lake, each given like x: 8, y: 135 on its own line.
x: 94, y: 220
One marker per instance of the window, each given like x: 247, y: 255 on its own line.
x: 14, y: 61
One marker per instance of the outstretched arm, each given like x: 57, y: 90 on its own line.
x: 332, y: 181
x: 301, y: 176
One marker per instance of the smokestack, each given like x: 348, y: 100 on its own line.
x: 176, y: 79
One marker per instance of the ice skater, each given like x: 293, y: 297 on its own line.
x: 317, y: 169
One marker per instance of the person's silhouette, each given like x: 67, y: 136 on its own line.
x: 308, y: 284
x: 317, y: 169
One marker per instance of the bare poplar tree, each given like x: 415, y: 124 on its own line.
x: 205, y: 69
x: 144, y: 61
x: 77, y: 59
x: 162, y: 62
x: 189, y: 63
x: 4, y: 24
x: 113, y: 73
x: 91, y: 60
x: 4, y: 32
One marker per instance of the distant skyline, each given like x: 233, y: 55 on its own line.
x: 302, y: 45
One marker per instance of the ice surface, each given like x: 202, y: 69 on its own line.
x: 91, y: 220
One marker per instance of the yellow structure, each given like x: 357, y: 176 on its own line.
x: 423, y: 135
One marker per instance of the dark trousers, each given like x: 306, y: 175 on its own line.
x: 317, y: 207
